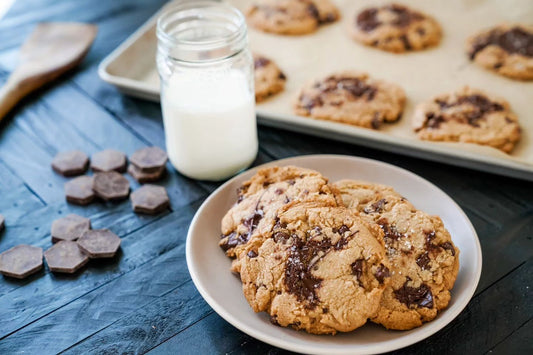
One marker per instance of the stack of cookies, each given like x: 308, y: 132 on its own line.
x: 329, y: 257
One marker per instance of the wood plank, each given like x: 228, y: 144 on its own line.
x: 21, y: 307
x: 504, y: 306
x: 518, y: 342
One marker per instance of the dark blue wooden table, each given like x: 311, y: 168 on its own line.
x: 144, y: 299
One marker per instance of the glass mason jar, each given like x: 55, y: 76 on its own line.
x: 207, y: 89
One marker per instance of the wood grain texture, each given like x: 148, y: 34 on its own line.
x: 143, y: 300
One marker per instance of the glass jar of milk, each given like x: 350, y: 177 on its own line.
x: 207, y: 89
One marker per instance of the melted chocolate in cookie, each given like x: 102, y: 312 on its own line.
x: 376, y: 206
x: 390, y: 231
x: 235, y: 239
x: 357, y: 269
x: 381, y: 273
x: 423, y: 261
x: 303, y: 256
x: 368, y: 20
x: 513, y: 41
x: 481, y: 104
x: 261, y: 62
x: 417, y: 296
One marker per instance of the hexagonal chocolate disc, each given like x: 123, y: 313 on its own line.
x: 108, y: 160
x: 21, y: 261
x: 70, y: 163
x: 65, y: 256
x: 111, y: 186
x: 149, y: 159
x: 99, y: 243
x: 2, y: 222
x: 143, y: 177
x: 80, y: 190
x: 150, y: 199
x: 70, y: 227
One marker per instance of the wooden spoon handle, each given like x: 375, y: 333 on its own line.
x: 11, y: 93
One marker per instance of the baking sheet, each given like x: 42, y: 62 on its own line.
x: 422, y: 75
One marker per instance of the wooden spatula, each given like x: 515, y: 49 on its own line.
x: 51, y: 50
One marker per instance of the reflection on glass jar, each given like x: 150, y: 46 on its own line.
x: 207, y: 89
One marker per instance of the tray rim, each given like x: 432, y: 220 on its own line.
x: 432, y: 151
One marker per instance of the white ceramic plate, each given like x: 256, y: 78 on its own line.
x: 209, y: 267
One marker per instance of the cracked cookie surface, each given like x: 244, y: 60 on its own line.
x: 246, y: 223
x: 469, y: 116
x: 395, y: 28
x: 504, y: 49
x: 321, y: 269
x: 291, y: 17
x: 424, y: 262
x: 353, y: 98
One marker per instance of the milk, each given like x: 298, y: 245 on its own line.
x: 210, y: 125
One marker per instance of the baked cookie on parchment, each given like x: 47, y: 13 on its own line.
x: 268, y: 77
x: 469, y: 116
x: 395, y: 28
x: 424, y: 262
x: 321, y: 269
x: 504, y: 49
x: 351, y: 97
x: 291, y: 17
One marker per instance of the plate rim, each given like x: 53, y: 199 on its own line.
x: 286, y: 344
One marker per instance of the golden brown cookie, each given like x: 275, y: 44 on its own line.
x: 321, y: 269
x: 353, y: 98
x: 291, y: 17
x: 424, y: 262
x: 469, y: 116
x: 504, y: 49
x: 268, y: 77
x: 259, y: 199
x: 395, y: 28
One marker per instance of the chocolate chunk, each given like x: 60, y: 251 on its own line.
x: 390, y: 231
x: 150, y: 199
x: 303, y: 256
x: 66, y: 257
x: 513, y: 41
x: 70, y: 227
x: 232, y: 240
x: 343, y: 229
x: 252, y: 221
x: 143, y: 177
x: 367, y: 20
x: 99, y: 243
x: 357, y: 269
x: 108, y: 160
x: 252, y: 254
x: 313, y: 11
x: 281, y: 237
x: 381, y: 273
x: 80, y: 190
x: 404, y: 16
x: 260, y: 62
x: 149, y: 159
x: 434, y: 121
x: 376, y: 206
x: 70, y: 163
x: 2, y: 222
x: 355, y: 87
x: 111, y: 186
x: 405, y: 41
x: 423, y: 260
x: 282, y: 76
x: 421, y: 296
x: 21, y: 261
x: 448, y: 246
x: 279, y: 191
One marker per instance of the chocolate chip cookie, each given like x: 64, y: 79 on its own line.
x: 395, y: 28
x: 268, y: 77
x: 469, y: 116
x: 504, y: 49
x: 291, y: 17
x: 423, y: 259
x: 259, y: 199
x: 353, y: 98
x: 320, y: 269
